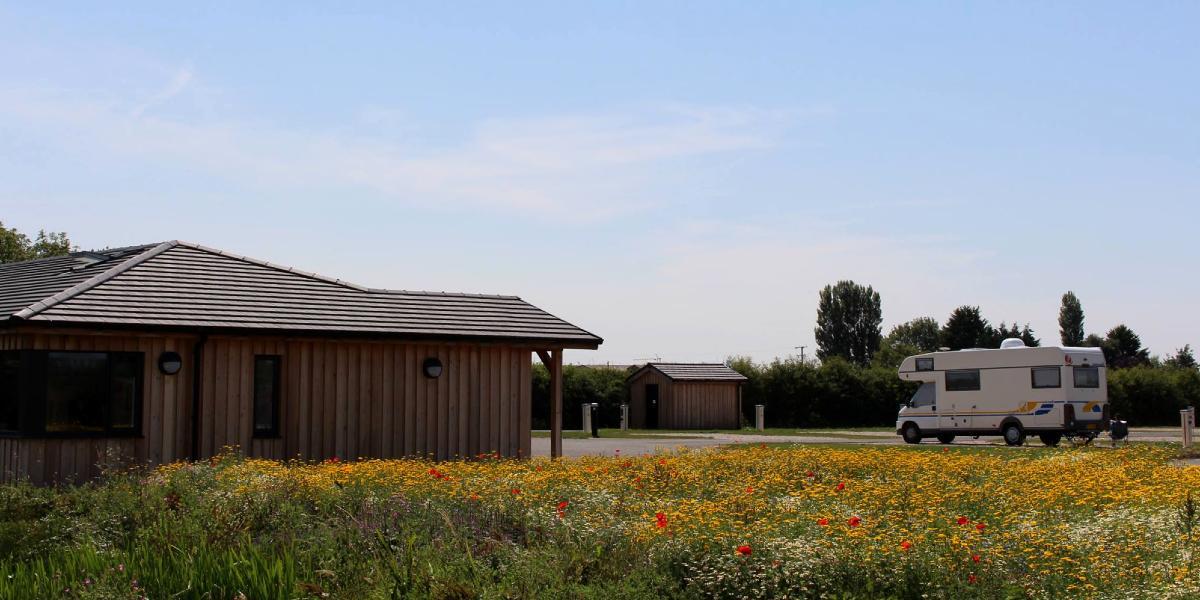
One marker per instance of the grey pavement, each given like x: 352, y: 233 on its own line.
x: 633, y: 446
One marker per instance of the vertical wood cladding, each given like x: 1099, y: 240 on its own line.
x: 685, y: 404
x: 348, y: 399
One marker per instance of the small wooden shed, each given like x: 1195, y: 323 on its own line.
x: 685, y: 396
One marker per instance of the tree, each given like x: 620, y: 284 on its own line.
x: 16, y: 246
x: 906, y: 339
x: 1123, y: 348
x: 1025, y: 334
x: 1093, y: 341
x: 1070, y: 320
x: 966, y: 328
x: 848, y: 320
x: 1183, y: 358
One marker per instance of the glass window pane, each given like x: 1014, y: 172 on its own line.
x: 10, y: 393
x: 1087, y: 377
x: 962, y: 381
x: 1047, y: 377
x: 76, y: 390
x: 924, y: 364
x: 266, y: 394
x: 126, y: 372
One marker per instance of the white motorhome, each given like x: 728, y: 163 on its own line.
x: 1011, y: 391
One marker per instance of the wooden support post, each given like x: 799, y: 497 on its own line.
x: 553, y: 360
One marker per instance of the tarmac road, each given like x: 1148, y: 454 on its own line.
x: 628, y: 446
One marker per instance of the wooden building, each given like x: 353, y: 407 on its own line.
x: 174, y: 351
x: 685, y: 396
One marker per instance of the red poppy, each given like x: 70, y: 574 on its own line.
x: 963, y: 520
x: 980, y: 526
x: 810, y: 474
x: 841, y: 486
x: 854, y: 521
x: 823, y: 522
x: 662, y: 461
x: 744, y: 550
x: 515, y: 491
x: 905, y: 545
x: 971, y: 578
x: 562, y: 509
x: 749, y: 490
x: 660, y: 520
x: 975, y: 558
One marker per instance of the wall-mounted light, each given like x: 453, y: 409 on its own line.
x: 432, y: 367
x: 170, y: 362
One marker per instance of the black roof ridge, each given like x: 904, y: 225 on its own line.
x: 150, y: 251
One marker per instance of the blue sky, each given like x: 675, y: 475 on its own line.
x: 680, y: 178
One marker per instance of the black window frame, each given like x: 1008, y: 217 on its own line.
x: 927, y: 361
x: 978, y: 380
x: 1075, y: 377
x: 33, y: 387
x: 1033, y: 378
x: 15, y: 391
x: 276, y: 396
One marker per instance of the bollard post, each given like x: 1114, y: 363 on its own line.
x: 624, y: 417
x: 1187, y: 419
x: 585, y: 423
x: 760, y: 419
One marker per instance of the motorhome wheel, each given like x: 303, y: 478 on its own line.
x: 1050, y: 439
x: 912, y: 434
x: 1013, y: 434
x: 945, y: 438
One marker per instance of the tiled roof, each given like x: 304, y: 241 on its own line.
x: 696, y: 371
x: 181, y: 285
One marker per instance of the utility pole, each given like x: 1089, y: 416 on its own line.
x: 801, y: 349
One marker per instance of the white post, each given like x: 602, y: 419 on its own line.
x: 586, y: 423
x: 624, y: 417
x: 1187, y: 418
x: 760, y: 419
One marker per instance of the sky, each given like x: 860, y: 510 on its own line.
x: 678, y: 178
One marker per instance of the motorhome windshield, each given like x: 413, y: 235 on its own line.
x: 924, y: 395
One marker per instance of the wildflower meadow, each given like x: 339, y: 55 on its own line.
x: 758, y: 521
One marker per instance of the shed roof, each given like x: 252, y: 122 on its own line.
x: 182, y: 285
x: 694, y: 371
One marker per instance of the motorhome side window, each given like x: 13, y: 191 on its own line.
x: 924, y: 396
x: 924, y: 364
x: 1087, y: 377
x: 966, y: 380
x: 1046, y: 377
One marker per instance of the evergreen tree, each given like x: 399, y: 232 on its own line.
x: 848, y: 322
x: 1183, y: 358
x: 966, y: 328
x: 1070, y: 320
x: 1123, y: 348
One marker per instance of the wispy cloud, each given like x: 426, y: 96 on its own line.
x: 578, y: 167
x: 173, y: 88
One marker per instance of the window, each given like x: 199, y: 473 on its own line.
x: 962, y: 381
x: 10, y: 391
x: 89, y: 393
x: 1046, y: 377
x: 924, y: 364
x: 1087, y: 377
x: 924, y: 396
x: 266, y: 396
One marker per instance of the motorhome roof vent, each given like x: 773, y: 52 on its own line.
x: 1012, y: 343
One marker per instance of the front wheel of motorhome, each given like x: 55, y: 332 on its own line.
x: 945, y: 438
x: 1013, y: 434
x: 912, y: 433
x: 1051, y: 439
